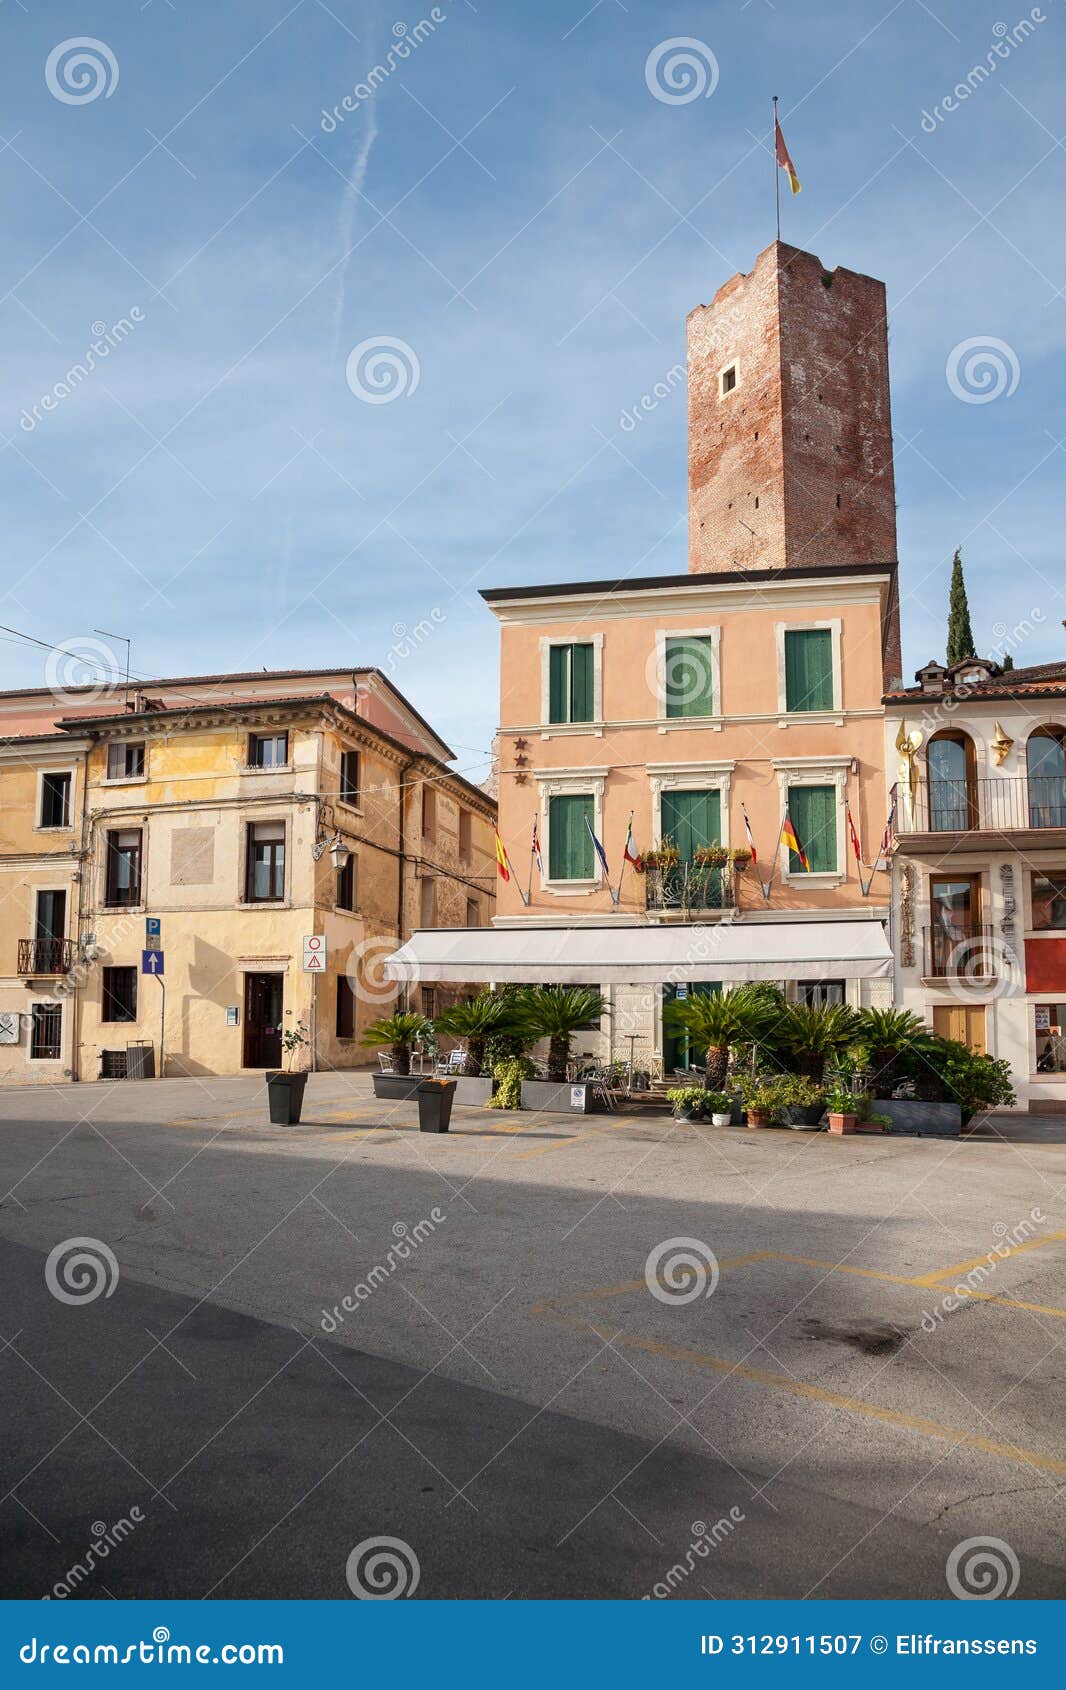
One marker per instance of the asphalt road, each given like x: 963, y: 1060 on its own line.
x: 509, y: 1400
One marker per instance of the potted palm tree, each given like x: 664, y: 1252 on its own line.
x: 285, y: 1087
x: 556, y: 1013
x: 813, y: 1034
x: 478, y: 1021
x: 397, y: 1033
x: 741, y: 1015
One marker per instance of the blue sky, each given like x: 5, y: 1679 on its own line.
x: 516, y: 207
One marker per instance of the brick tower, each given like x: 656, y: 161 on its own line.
x: 790, y: 433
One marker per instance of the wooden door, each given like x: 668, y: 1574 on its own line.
x: 263, y: 995
x: 962, y: 1021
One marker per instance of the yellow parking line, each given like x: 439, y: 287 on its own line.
x: 843, y: 1267
x: 545, y: 1149
x: 989, y: 1258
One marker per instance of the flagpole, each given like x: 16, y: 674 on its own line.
x: 777, y: 170
x: 625, y: 859
x: 768, y: 888
x: 532, y: 859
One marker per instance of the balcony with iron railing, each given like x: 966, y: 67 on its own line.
x: 1014, y: 804
x: 45, y: 956
x: 688, y: 888
x: 965, y: 951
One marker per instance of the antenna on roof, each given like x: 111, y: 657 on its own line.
x: 126, y: 642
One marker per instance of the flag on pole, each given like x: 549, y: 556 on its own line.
x: 598, y: 848
x: 751, y: 836
x: 630, y: 854
x: 535, y: 848
x: 784, y: 158
x: 856, y: 847
x: 503, y: 862
x: 788, y: 835
x: 886, y: 837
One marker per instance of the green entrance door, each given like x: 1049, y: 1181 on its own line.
x: 691, y: 820
x: 679, y: 1051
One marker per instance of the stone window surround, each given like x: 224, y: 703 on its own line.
x: 556, y: 783
x: 689, y: 777
x: 669, y: 723
x: 548, y: 727
x: 833, y: 623
x: 60, y: 769
x: 815, y: 771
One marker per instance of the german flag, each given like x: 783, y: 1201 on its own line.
x: 503, y: 862
x: 788, y: 835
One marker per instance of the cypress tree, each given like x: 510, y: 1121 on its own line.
x: 960, y: 634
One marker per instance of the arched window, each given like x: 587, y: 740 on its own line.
x: 951, y: 767
x: 1045, y: 757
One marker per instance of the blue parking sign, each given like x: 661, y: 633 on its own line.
x: 153, y: 926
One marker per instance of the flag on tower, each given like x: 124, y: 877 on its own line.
x: 784, y: 158
x: 503, y: 862
x: 751, y: 836
x: 788, y: 835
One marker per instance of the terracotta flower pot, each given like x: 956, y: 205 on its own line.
x: 758, y: 1117
x: 841, y: 1123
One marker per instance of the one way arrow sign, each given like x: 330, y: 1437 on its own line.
x: 151, y: 962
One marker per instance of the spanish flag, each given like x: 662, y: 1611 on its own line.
x: 784, y: 158
x: 788, y: 835
x: 503, y: 862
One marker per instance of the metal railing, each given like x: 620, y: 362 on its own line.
x: 964, y: 951
x: 961, y: 806
x: 689, y: 886
x: 45, y: 956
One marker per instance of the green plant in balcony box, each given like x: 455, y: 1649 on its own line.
x: 739, y: 857
x: 710, y: 856
x: 687, y: 1102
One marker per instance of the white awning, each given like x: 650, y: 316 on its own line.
x: 617, y: 955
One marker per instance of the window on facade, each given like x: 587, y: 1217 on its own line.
x: 429, y: 812
x: 950, y: 765
x: 349, y: 777
x: 345, y: 1008
x: 473, y: 914
x: 1050, y: 1022
x: 268, y: 751
x: 729, y: 379
x: 808, y: 669
x: 46, y: 1032
x: 123, y: 884
x: 429, y: 1002
x: 466, y: 835
x: 570, y: 853
x: 51, y: 916
x: 821, y: 992
x: 266, y: 862
x: 571, y: 682
x: 688, y: 676
x: 428, y: 902
x: 125, y: 762
x: 346, y: 886
x: 120, y: 995
x: 812, y: 810
x: 55, y: 800
x: 1049, y: 900
x: 1045, y: 761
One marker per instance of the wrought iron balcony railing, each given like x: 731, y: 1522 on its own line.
x: 45, y: 956
x: 965, y: 951
x: 1012, y: 804
x: 689, y: 886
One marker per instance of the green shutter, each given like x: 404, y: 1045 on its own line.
x: 581, y: 679
x: 809, y: 669
x: 689, y: 679
x: 691, y: 819
x: 813, y: 813
x: 571, y: 683
x: 570, y: 854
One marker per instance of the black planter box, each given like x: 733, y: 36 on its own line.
x: 396, y: 1085
x: 435, y: 1099
x: 802, y: 1115
x: 285, y: 1096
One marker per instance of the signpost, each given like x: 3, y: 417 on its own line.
x: 152, y: 962
x: 314, y: 947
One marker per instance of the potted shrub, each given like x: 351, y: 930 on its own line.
x: 813, y: 1035
x: 710, y: 856
x: 687, y: 1102
x: 508, y: 1076
x: 398, y: 1032
x: 761, y: 1098
x: 801, y: 1101
x: 556, y: 1013
x: 435, y: 1099
x: 739, y: 858
x: 285, y: 1088
x: 720, y: 1108
x: 841, y: 1105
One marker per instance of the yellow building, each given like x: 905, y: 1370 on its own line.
x: 163, y: 860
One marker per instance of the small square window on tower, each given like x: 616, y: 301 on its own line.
x: 728, y: 379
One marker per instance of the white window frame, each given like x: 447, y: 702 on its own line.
x: 667, y: 724
x: 548, y: 728
x: 119, y: 824
x: 815, y: 771
x: 789, y: 718
x: 346, y: 803
x: 689, y: 777
x: 577, y: 783
x: 125, y: 780
x: 38, y: 825
x: 730, y: 364
x: 49, y: 1061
